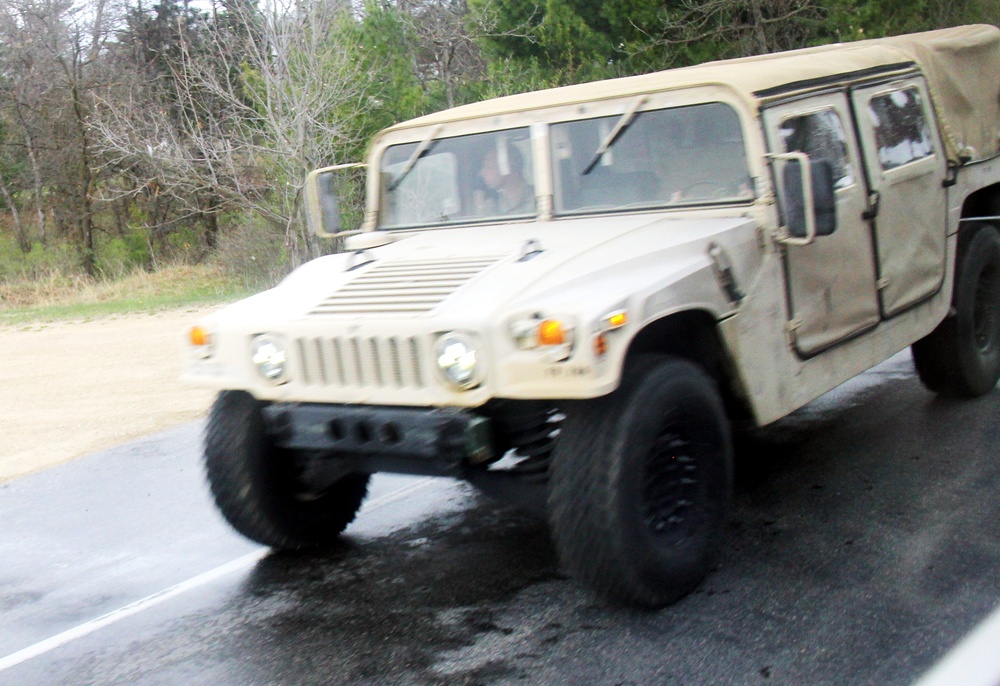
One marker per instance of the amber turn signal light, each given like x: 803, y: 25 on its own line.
x: 198, y: 336
x: 550, y: 332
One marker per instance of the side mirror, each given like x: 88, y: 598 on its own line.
x: 325, y: 189
x: 824, y: 197
x: 807, y: 215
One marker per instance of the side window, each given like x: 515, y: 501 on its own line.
x: 901, y: 131
x: 820, y: 135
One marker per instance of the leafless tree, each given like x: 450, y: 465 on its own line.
x: 746, y: 27
x: 268, y: 102
x: 23, y: 240
x: 21, y: 92
x: 446, y: 50
x: 53, y: 54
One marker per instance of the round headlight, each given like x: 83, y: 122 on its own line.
x: 268, y: 355
x: 455, y: 354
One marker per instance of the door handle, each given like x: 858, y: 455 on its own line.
x: 874, y: 200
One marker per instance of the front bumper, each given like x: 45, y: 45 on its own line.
x: 383, y: 439
x: 331, y: 441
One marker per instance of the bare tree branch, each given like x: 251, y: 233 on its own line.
x: 747, y: 27
x: 266, y: 104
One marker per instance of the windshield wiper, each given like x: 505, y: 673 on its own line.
x: 620, y: 126
x: 417, y: 154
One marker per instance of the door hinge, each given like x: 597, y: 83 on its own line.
x: 790, y: 328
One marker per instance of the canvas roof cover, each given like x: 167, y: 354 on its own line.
x: 962, y: 66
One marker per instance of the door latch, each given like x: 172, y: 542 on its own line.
x: 874, y: 200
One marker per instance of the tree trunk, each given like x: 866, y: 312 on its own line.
x: 87, y: 257
x: 36, y: 177
x: 85, y: 179
x: 210, y: 219
x: 22, y: 238
x: 760, y: 35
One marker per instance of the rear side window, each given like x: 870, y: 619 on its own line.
x: 820, y: 135
x: 901, y: 131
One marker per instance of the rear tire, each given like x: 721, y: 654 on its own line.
x: 641, y: 484
x: 256, y: 487
x: 961, y: 357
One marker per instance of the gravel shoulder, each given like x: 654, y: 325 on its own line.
x: 76, y: 387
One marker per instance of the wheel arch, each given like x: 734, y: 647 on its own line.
x: 694, y: 335
x: 984, y: 202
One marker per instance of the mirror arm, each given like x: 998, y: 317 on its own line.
x: 342, y: 234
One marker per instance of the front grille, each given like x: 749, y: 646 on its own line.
x: 391, y: 362
x: 405, y: 287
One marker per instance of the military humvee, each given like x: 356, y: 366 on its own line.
x: 569, y: 296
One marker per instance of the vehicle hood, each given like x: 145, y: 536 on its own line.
x: 471, y: 274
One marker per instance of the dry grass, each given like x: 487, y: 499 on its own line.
x: 57, y: 296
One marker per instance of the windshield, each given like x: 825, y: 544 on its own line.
x: 463, y: 179
x: 641, y: 159
x: 678, y: 156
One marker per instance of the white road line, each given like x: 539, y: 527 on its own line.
x: 121, y: 613
x: 397, y: 495
x: 159, y: 597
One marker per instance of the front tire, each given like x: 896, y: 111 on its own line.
x: 961, y: 357
x: 256, y: 487
x: 641, y: 484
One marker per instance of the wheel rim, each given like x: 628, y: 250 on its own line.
x: 671, y: 487
x: 985, y: 318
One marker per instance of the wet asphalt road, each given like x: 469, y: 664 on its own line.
x: 864, y: 543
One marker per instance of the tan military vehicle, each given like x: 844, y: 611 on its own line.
x: 569, y: 296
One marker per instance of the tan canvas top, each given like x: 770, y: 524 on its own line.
x: 962, y: 66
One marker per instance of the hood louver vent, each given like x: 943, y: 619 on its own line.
x: 406, y: 287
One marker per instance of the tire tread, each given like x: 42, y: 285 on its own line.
x: 944, y: 359
x: 584, y: 519
x: 245, y: 491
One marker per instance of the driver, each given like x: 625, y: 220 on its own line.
x: 507, y: 191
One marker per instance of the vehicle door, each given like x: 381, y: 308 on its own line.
x: 831, y: 282
x: 905, y: 168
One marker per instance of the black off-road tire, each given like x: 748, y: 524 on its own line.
x: 255, y: 485
x: 961, y: 357
x: 641, y: 484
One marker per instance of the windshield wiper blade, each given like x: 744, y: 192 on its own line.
x: 620, y: 126
x: 410, y: 163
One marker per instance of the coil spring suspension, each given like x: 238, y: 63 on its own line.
x: 531, y: 429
